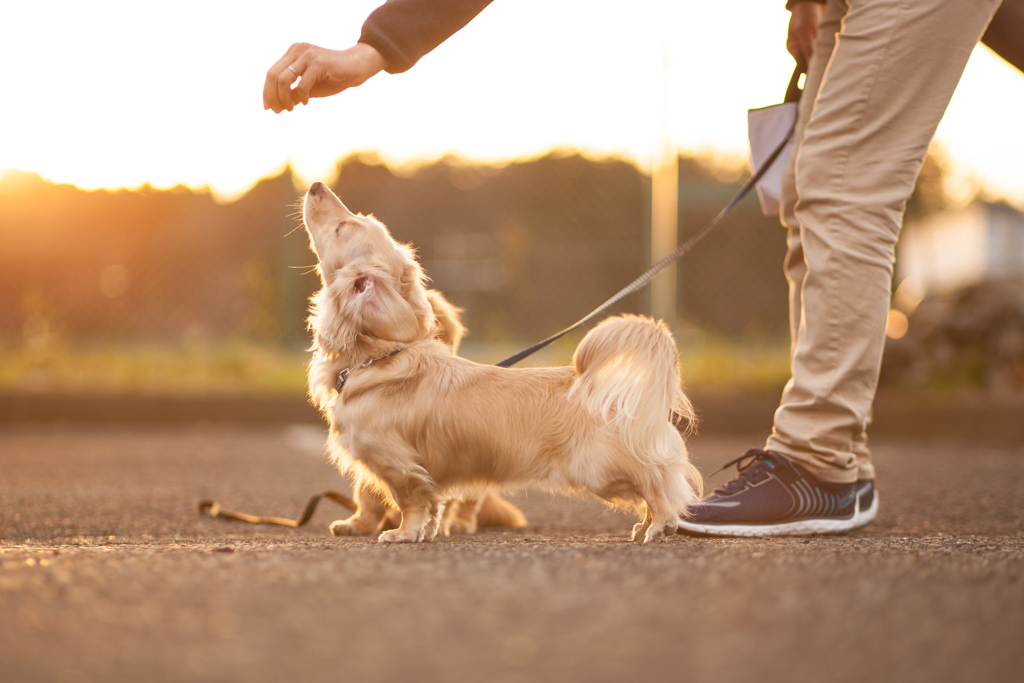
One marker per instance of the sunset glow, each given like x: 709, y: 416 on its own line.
x: 118, y: 94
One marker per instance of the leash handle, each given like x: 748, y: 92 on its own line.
x: 793, y: 90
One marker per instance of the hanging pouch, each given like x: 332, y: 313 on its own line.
x: 766, y: 128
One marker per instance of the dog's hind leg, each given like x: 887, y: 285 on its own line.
x: 661, y: 520
x: 640, y: 528
x: 433, y: 524
x: 663, y: 523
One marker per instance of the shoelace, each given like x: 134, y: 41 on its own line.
x: 745, y: 472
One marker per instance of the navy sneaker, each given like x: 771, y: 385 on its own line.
x: 774, y: 496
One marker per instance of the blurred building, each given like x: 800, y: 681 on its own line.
x: 961, y: 302
x: 983, y: 242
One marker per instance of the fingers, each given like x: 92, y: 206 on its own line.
x: 803, y: 29
x: 320, y: 73
x: 801, y: 50
x: 277, y: 89
x: 312, y: 73
x: 288, y: 75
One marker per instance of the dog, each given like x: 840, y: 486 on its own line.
x: 461, y: 516
x: 422, y: 426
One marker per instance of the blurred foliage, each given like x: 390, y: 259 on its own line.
x: 226, y: 368
x: 171, y: 291
x: 930, y: 194
x: 718, y: 366
x: 525, y: 248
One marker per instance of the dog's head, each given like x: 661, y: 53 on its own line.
x: 372, y: 286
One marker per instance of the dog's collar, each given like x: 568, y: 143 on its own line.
x: 343, y: 375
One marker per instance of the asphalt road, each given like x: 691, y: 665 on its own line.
x: 108, y: 575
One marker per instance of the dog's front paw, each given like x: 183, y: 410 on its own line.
x: 351, y: 527
x: 401, y: 536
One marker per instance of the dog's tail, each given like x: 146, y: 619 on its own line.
x: 495, y: 511
x: 628, y: 376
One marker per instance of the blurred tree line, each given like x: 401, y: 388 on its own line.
x: 526, y: 248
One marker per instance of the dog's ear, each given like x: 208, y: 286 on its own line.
x: 400, y: 311
x: 415, y: 293
x: 450, y: 328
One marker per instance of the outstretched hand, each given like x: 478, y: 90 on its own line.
x: 320, y: 73
x: 803, y: 29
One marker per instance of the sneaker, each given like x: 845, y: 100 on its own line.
x: 867, y: 503
x: 774, y: 496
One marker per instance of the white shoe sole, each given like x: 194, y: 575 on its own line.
x: 807, y: 527
x: 865, y: 517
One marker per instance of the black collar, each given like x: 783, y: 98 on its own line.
x: 343, y: 375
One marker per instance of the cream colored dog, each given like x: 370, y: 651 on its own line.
x: 373, y: 514
x: 424, y: 426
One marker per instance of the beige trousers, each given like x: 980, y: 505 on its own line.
x: 882, y: 75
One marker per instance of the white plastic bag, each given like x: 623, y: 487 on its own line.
x: 767, y: 127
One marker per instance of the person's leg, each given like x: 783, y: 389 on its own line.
x: 795, y: 265
x: 830, y: 25
x: 890, y: 75
x: 872, y: 107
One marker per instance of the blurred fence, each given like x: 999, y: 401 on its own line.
x: 525, y: 249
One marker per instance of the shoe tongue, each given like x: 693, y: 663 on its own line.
x: 774, y: 460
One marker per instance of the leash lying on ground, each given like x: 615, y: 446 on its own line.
x: 213, y: 508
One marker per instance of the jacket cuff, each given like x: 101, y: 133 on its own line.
x: 791, y: 3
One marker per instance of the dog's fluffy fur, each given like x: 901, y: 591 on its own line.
x: 423, y: 426
x: 463, y: 515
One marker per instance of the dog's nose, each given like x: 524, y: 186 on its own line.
x: 316, y: 188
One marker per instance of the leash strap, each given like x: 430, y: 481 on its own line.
x: 213, y: 509
x: 665, y: 262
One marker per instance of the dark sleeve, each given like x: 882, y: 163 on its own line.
x: 405, y: 30
x: 1005, y: 35
x: 790, y: 3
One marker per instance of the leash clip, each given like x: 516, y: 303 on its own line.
x: 342, y: 376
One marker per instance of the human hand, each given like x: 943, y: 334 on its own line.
x: 803, y: 29
x: 323, y: 73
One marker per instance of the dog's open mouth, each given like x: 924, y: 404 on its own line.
x: 361, y: 283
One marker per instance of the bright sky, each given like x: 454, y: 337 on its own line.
x: 116, y: 94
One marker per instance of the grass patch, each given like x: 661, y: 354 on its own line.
x: 223, y: 368
x: 245, y: 368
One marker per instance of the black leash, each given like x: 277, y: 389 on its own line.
x: 792, y: 95
x: 213, y: 509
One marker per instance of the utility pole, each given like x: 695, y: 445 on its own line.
x: 665, y: 212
